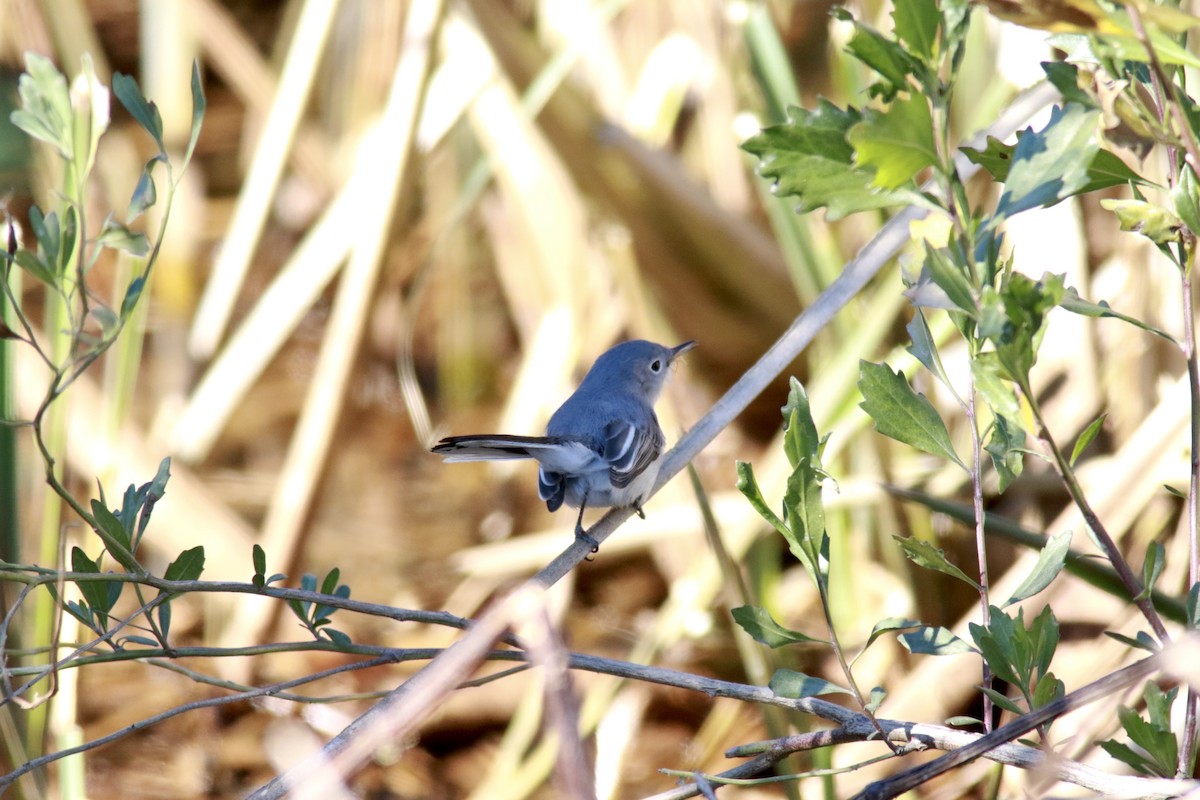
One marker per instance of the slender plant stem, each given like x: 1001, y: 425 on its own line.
x: 980, y: 542
x: 1066, y: 473
x: 1191, y: 696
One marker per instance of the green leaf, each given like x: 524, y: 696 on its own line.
x: 1048, y: 690
x: 1127, y: 755
x: 188, y: 566
x: 259, y: 557
x: 801, y: 440
x: 119, y: 237
x: 897, y: 143
x: 35, y: 266
x: 300, y: 609
x: 1043, y: 636
x: 49, y: 237
x: 810, y: 158
x: 806, y: 519
x: 337, y: 637
x: 1072, y: 302
x: 765, y: 630
x: 1025, y: 304
x: 923, y: 348
x: 995, y: 157
x: 797, y: 685
x: 199, y: 106
x: 45, y: 111
x: 106, y: 318
x: 1065, y: 78
x: 875, y: 700
x: 158, y: 486
x: 1157, y: 741
x: 963, y: 722
x: 164, y: 618
x: 116, y: 539
x: 1051, y: 164
x: 80, y: 611
x: 144, y: 112
x: 1186, y: 197
x: 890, y: 625
x: 1155, y: 222
x: 131, y: 296
x: 1152, y: 566
x: 948, y: 277
x: 145, y: 194
x: 131, y: 503
x: 1106, y: 168
x: 95, y: 593
x: 932, y: 640
x: 1122, y: 47
x: 1141, y: 642
x: 748, y: 486
x: 924, y: 554
x: 1050, y: 562
x: 1002, y: 701
x: 881, y: 54
x: 1086, y: 438
x: 331, y: 581
x: 916, y: 25
x: 902, y: 414
x: 995, y: 389
x: 1158, y: 704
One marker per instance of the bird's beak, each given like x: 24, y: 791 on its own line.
x: 680, y: 349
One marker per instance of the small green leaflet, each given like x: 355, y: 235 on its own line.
x: 188, y: 566
x: 1050, y: 562
x: 932, y: 640
x: 797, y: 685
x: 765, y: 630
x: 1086, y: 438
x: 924, y: 554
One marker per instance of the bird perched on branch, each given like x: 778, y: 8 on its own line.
x: 603, y: 445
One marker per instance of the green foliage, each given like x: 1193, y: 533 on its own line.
x: 1020, y: 656
x: 852, y: 160
x: 1158, y: 749
x: 797, y: 685
x: 763, y: 628
x: 924, y: 554
x: 933, y: 640
x: 315, y: 617
x: 260, y: 579
x: 810, y: 157
x: 1050, y: 562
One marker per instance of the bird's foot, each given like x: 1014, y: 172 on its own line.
x: 637, y: 509
x: 585, y: 537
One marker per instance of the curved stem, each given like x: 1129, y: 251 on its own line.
x: 1132, y: 583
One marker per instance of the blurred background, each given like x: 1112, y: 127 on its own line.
x: 415, y: 219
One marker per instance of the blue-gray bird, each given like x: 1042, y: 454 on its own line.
x: 603, y: 445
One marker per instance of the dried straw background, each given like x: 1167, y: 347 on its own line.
x: 332, y: 300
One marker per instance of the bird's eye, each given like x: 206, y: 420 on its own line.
x: 656, y: 365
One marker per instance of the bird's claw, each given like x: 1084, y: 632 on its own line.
x: 589, y: 540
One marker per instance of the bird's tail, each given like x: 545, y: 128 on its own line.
x: 493, y: 447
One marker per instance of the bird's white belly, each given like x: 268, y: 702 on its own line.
x: 599, y: 491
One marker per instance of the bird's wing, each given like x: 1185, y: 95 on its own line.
x: 629, y: 449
